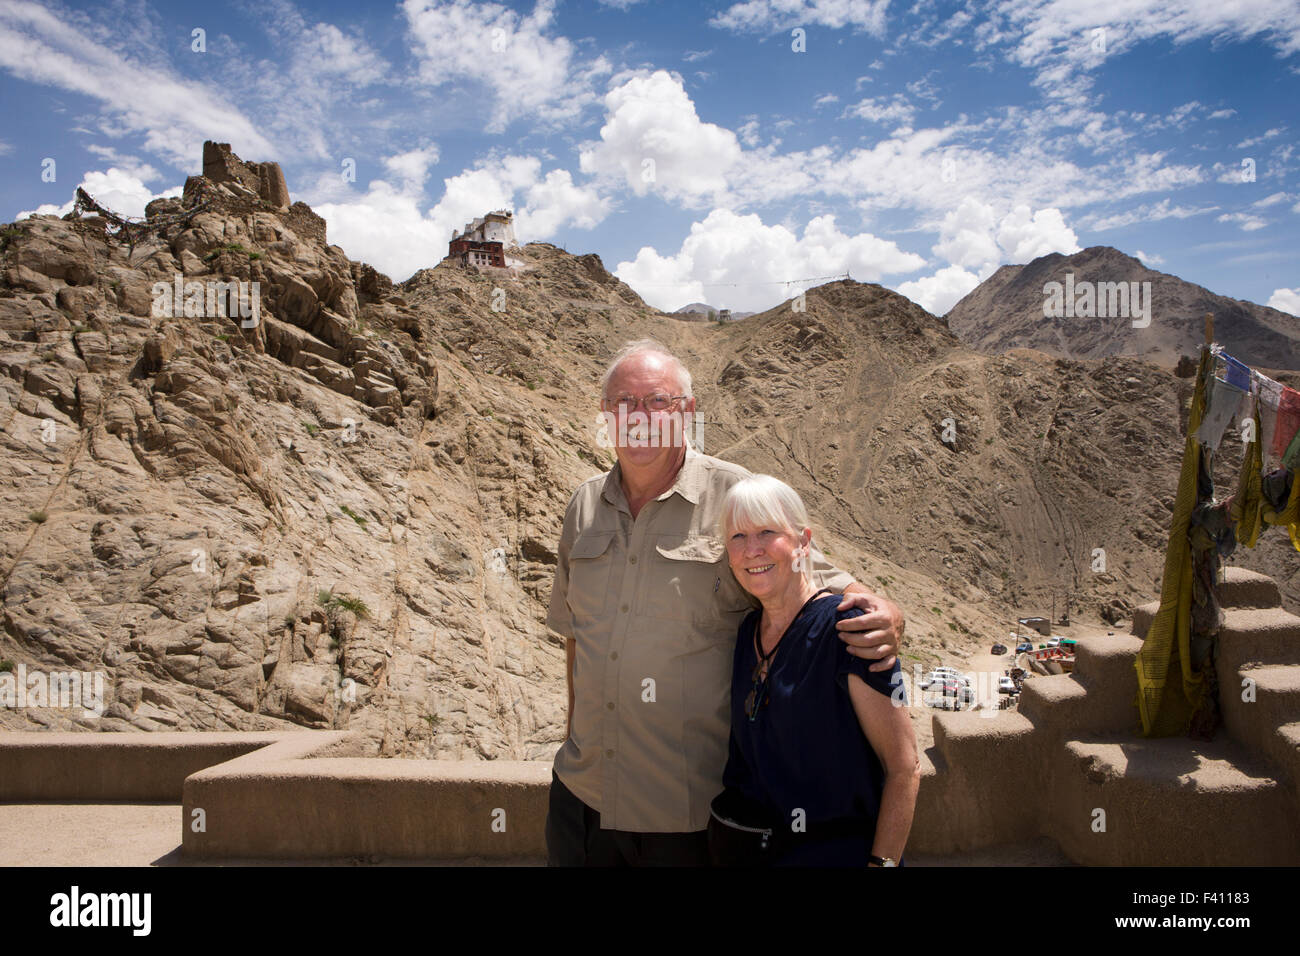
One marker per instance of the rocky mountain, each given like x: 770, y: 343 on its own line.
x: 344, y: 514
x: 1091, y: 319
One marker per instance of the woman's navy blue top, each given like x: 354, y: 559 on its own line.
x: 805, y: 748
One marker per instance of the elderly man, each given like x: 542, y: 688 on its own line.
x: 649, y: 608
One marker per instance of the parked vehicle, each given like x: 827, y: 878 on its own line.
x: 959, y: 688
x: 943, y: 692
x: 999, y: 649
x: 938, y: 676
x: 951, y: 694
x: 1006, y: 685
x: 1024, y: 647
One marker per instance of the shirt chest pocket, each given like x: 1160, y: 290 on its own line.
x: 591, y: 558
x: 690, y: 580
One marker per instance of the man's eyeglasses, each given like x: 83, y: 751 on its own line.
x: 658, y: 402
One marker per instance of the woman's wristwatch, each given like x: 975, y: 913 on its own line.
x: 882, y: 860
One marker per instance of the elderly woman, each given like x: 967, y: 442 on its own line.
x: 823, y: 768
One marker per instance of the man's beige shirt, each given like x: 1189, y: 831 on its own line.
x: 653, y: 609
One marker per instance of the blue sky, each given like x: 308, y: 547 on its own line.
x: 728, y: 152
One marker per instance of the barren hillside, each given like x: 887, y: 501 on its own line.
x: 201, y: 521
x: 1007, y: 311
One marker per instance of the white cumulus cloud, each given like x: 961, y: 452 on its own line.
x: 1024, y: 235
x: 738, y: 262
x: 517, y: 58
x: 975, y: 237
x: 1285, y: 300
x: 938, y: 293
x: 412, y: 166
x: 388, y: 227
x: 654, y: 141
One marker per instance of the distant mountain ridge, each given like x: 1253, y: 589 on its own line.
x: 704, y: 310
x: 1007, y: 311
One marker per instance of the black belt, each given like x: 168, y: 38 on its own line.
x: 744, y: 833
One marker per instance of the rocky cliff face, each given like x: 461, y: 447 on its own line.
x: 344, y: 515
x: 1007, y: 311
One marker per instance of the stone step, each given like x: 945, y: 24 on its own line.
x: 1241, y: 587
x: 1053, y: 703
x: 1068, y: 704
x: 969, y: 738
x: 1183, y: 802
x: 1258, y: 636
x: 1290, y: 735
x: 1107, y: 661
x: 1262, y: 635
x: 1273, y: 702
x: 1287, y: 747
x: 961, y: 804
x: 1143, y: 615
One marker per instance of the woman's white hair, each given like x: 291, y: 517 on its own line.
x: 764, y: 501
x: 644, y: 347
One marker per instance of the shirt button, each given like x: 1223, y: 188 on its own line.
x: 610, y: 705
x: 613, y: 656
x: 632, y: 560
x: 609, y: 753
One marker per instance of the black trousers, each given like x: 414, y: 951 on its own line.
x: 574, y: 837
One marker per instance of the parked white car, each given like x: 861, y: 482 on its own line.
x: 939, y: 675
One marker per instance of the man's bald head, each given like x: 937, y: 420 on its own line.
x: 650, y: 349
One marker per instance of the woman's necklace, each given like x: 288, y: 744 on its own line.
x: 758, y: 695
x: 765, y: 660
